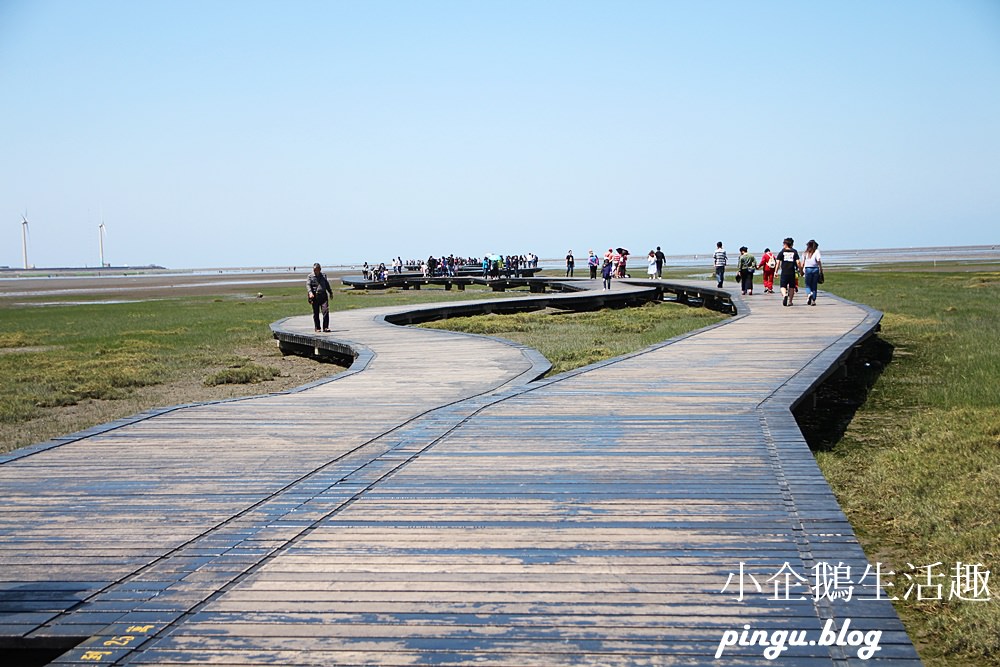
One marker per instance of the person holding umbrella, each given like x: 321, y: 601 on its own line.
x: 623, y: 262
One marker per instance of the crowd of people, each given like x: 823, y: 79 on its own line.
x: 507, y: 266
x: 787, y: 264
x: 493, y: 266
x: 614, y: 264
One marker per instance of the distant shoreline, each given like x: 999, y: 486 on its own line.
x: 859, y: 256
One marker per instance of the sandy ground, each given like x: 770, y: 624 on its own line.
x: 146, y: 286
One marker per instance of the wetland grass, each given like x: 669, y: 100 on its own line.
x: 918, y: 469
x: 72, y: 366
x: 78, y: 364
x: 573, y: 339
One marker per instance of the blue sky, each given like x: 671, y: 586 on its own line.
x: 240, y: 133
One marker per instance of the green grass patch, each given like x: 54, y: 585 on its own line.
x: 53, y: 357
x: 918, y: 469
x: 570, y: 340
x: 63, y: 376
x: 244, y: 372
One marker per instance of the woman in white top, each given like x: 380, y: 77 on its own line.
x: 812, y: 264
x: 651, y: 260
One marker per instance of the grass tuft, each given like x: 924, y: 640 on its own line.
x: 246, y: 373
x: 14, y: 339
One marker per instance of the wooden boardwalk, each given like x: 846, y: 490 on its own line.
x: 438, y: 505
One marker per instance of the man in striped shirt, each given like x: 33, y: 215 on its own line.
x: 720, y: 263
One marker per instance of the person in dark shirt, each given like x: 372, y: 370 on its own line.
x: 319, y: 293
x: 789, y: 265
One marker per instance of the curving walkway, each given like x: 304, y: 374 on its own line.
x: 438, y: 505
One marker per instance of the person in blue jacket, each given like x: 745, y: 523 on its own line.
x: 606, y: 273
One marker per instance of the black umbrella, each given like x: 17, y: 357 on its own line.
x: 622, y: 251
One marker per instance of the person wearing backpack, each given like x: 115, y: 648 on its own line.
x: 768, y: 263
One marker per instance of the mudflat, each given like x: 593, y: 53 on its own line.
x: 150, y: 285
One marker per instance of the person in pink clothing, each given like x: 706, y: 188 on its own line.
x: 623, y: 264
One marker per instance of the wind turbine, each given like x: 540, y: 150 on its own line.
x: 100, y: 237
x: 24, y: 237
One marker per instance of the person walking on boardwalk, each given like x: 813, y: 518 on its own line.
x: 767, y: 264
x: 748, y: 264
x: 606, y: 273
x: 593, y: 263
x: 622, y: 263
x: 812, y: 267
x: 319, y: 296
x: 788, y: 263
x: 651, y: 264
x: 569, y: 264
x: 720, y: 259
x: 661, y: 259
